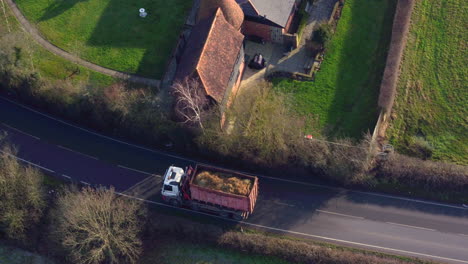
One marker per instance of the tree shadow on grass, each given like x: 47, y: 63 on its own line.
x: 362, y: 62
x: 120, y: 26
x: 58, y: 8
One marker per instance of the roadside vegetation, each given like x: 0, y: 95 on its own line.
x: 84, y: 225
x: 96, y: 226
x: 268, y: 133
x: 22, y: 196
x: 429, y: 118
x: 110, y: 33
x: 191, y: 253
x: 204, y: 235
x: 39, y: 78
x: 342, y: 100
x: 31, y: 57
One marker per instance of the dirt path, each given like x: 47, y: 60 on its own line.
x: 58, y: 51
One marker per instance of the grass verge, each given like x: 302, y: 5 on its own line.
x: 343, y: 98
x: 110, y: 33
x: 430, y: 110
x: 47, y: 64
x: 183, y: 252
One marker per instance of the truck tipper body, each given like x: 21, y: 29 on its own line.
x: 181, y: 188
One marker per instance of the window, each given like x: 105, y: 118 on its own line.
x: 167, y: 188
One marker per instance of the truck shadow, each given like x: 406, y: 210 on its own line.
x: 286, y: 205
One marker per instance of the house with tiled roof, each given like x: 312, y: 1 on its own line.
x: 214, y: 54
x: 269, y: 19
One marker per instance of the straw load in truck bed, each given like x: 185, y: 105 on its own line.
x: 223, y: 182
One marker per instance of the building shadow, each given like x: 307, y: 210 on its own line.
x: 354, y: 107
x: 121, y: 26
x: 58, y: 7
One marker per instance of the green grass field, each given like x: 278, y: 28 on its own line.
x: 188, y: 253
x: 432, y: 98
x: 343, y: 98
x: 47, y: 64
x: 110, y: 33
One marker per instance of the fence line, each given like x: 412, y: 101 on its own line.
x: 400, y: 29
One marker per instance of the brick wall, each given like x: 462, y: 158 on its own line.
x: 256, y: 29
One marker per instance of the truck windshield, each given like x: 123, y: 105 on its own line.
x: 167, y: 188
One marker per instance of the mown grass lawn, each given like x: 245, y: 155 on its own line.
x: 47, y: 64
x: 432, y: 98
x: 342, y: 100
x: 110, y: 32
x: 187, y: 253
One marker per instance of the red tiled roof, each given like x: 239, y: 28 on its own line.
x: 211, y: 54
x: 231, y: 10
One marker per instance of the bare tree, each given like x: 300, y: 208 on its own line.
x: 96, y: 226
x: 22, y: 195
x: 190, y: 101
x: 264, y: 129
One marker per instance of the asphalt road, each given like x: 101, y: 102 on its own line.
x: 367, y: 220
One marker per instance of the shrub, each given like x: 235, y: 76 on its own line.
x: 22, y: 195
x: 298, y: 251
x: 349, y: 163
x: 430, y: 175
x: 295, y: 251
x: 420, y: 148
x: 323, y: 34
x: 95, y: 226
x: 265, y: 130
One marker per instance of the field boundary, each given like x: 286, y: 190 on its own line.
x: 400, y: 30
x: 36, y: 35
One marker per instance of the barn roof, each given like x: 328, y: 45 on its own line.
x: 276, y: 11
x: 211, y: 53
x: 231, y: 11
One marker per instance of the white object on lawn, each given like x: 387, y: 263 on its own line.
x: 143, y: 12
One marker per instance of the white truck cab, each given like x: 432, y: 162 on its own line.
x: 171, y: 186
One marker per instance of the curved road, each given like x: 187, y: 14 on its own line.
x: 368, y: 220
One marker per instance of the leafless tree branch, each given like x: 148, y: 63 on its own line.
x: 190, y: 101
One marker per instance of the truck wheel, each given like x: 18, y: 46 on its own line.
x: 237, y: 217
x: 224, y: 214
x: 195, y: 207
x: 174, y: 202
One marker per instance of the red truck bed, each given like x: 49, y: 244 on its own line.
x: 228, y: 200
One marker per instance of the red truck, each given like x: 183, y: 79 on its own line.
x: 181, y: 188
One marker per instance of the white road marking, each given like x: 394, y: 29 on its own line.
x: 299, y: 233
x: 411, y: 200
x: 94, y: 133
x: 143, y: 172
x: 333, y: 213
x: 68, y: 177
x: 76, y: 152
x: 463, y: 234
x: 22, y: 132
x: 85, y: 183
x: 270, y: 228
x: 410, y: 226
x: 28, y: 162
x: 280, y: 203
x: 262, y: 176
